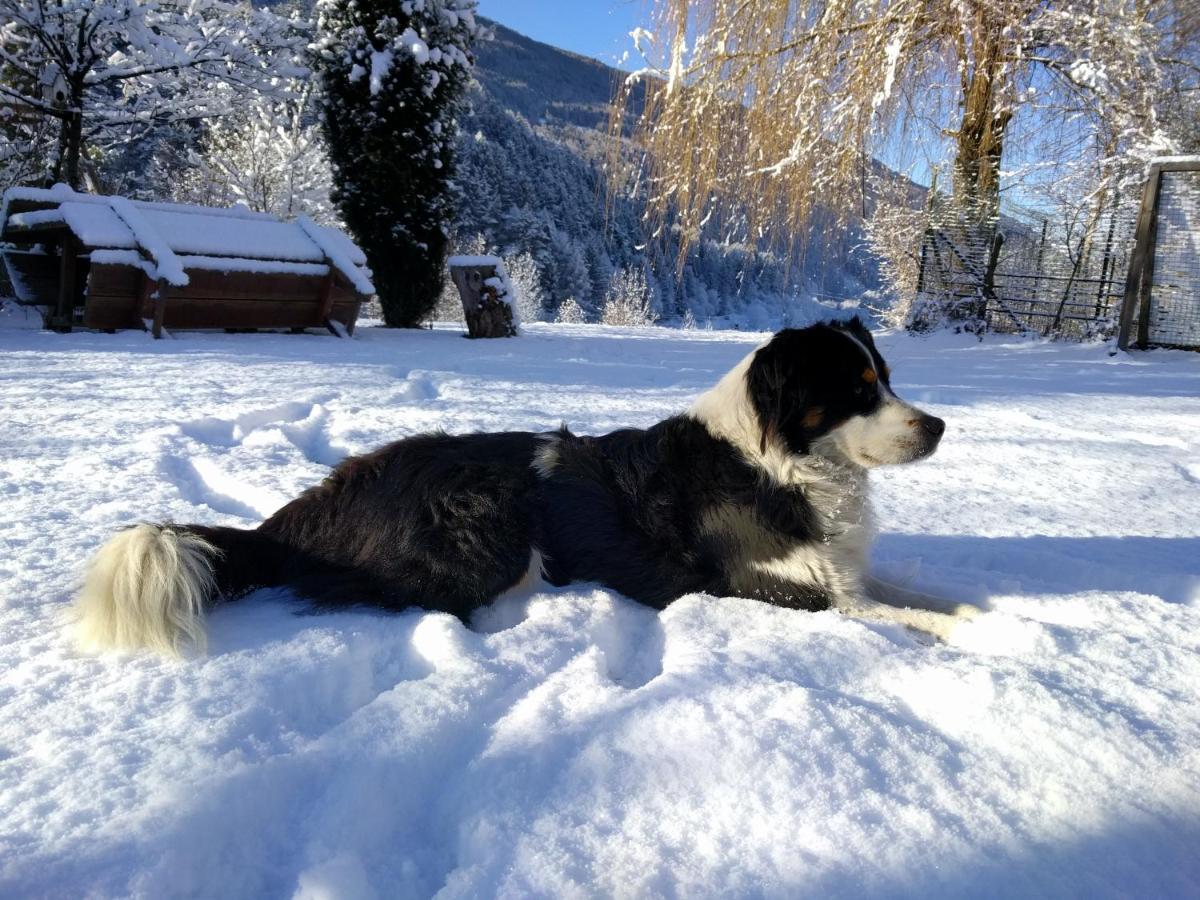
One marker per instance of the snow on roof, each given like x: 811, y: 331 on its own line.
x: 169, y: 232
x: 60, y: 193
x: 335, y: 253
x: 1159, y: 160
x: 147, y: 237
x: 96, y: 225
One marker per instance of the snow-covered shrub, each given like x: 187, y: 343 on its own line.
x: 689, y: 321
x: 526, y: 282
x: 570, y: 313
x: 394, y: 77
x: 894, y: 231
x: 268, y: 154
x: 628, y: 300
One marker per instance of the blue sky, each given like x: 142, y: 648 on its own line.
x: 596, y: 28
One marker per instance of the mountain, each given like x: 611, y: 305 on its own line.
x: 531, y: 173
x: 541, y: 82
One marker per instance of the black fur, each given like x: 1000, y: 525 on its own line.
x: 448, y: 522
x: 626, y: 510
x: 801, y: 370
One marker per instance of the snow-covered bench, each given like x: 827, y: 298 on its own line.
x: 132, y: 264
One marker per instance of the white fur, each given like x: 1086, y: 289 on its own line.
x: 146, y: 588
x: 545, y: 458
x: 532, y: 578
x: 889, y: 435
x: 726, y: 411
x: 834, y: 480
x: 935, y: 624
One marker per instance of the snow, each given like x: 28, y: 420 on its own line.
x: 381, y: 64
x: 212, y: 263
x: 570, y: 742
x: 261, y: 266
x: 96, y: 225
x: 335, y: 251
x: 147, y: 235
x: 213, y: 236
x: 1189, y: 158
x: 37, y: 217
x: 124, y: 258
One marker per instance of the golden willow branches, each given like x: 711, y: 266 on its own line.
x: 768, y: 110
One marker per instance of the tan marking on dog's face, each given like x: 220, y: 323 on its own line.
x: 813, y: 417
x: 869, y: 376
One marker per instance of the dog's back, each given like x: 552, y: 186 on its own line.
x: 441, y: 521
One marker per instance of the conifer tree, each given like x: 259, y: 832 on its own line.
x: 394, y: 77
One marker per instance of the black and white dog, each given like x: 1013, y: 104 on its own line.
x: 758, y: 491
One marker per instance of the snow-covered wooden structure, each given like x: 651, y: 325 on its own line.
x: 488, y: 298
x: 109, y: 263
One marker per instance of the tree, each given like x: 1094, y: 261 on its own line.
x: 269, y: 155
x: 628, y: 299
x: 775, y: 106
x: 527, y: 282
x: 570, y: 313
x: 109, y: 71
x: 394, y: 78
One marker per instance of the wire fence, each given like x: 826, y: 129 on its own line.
x: 1173, y: 270
x: 1019, y: 270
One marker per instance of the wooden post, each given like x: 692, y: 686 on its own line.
x: 160, y: 308
x: 64, y: 315
x: 1141, y: 266
x: 488, y: 315
x: 987, y: 284
x: 325, y: 300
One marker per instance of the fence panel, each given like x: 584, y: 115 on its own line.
x: 1063, y: 278
x: 1175, y: 281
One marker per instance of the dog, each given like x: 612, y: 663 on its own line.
x: 758, y: 491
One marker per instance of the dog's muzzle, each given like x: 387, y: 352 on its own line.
x: 930, y: 429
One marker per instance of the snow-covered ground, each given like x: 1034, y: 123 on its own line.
x: 570, y: 742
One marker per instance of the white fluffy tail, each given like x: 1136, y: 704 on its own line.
x: 146, y: 588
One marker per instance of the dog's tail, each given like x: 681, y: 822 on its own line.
x: 149, y: 585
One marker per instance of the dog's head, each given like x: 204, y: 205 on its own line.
x: 826, y: 390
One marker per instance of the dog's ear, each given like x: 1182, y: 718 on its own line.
x: 857, y: 328
x: 766, y: 384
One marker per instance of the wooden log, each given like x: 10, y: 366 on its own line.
x: 488, y: 315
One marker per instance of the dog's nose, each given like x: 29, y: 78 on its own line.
x: 933, y: 425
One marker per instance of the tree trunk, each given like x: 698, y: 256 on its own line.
x: 70, y: 140
x: 980, y: 136
x: 485, y: 308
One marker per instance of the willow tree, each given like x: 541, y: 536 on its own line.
x: 775, y: 107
